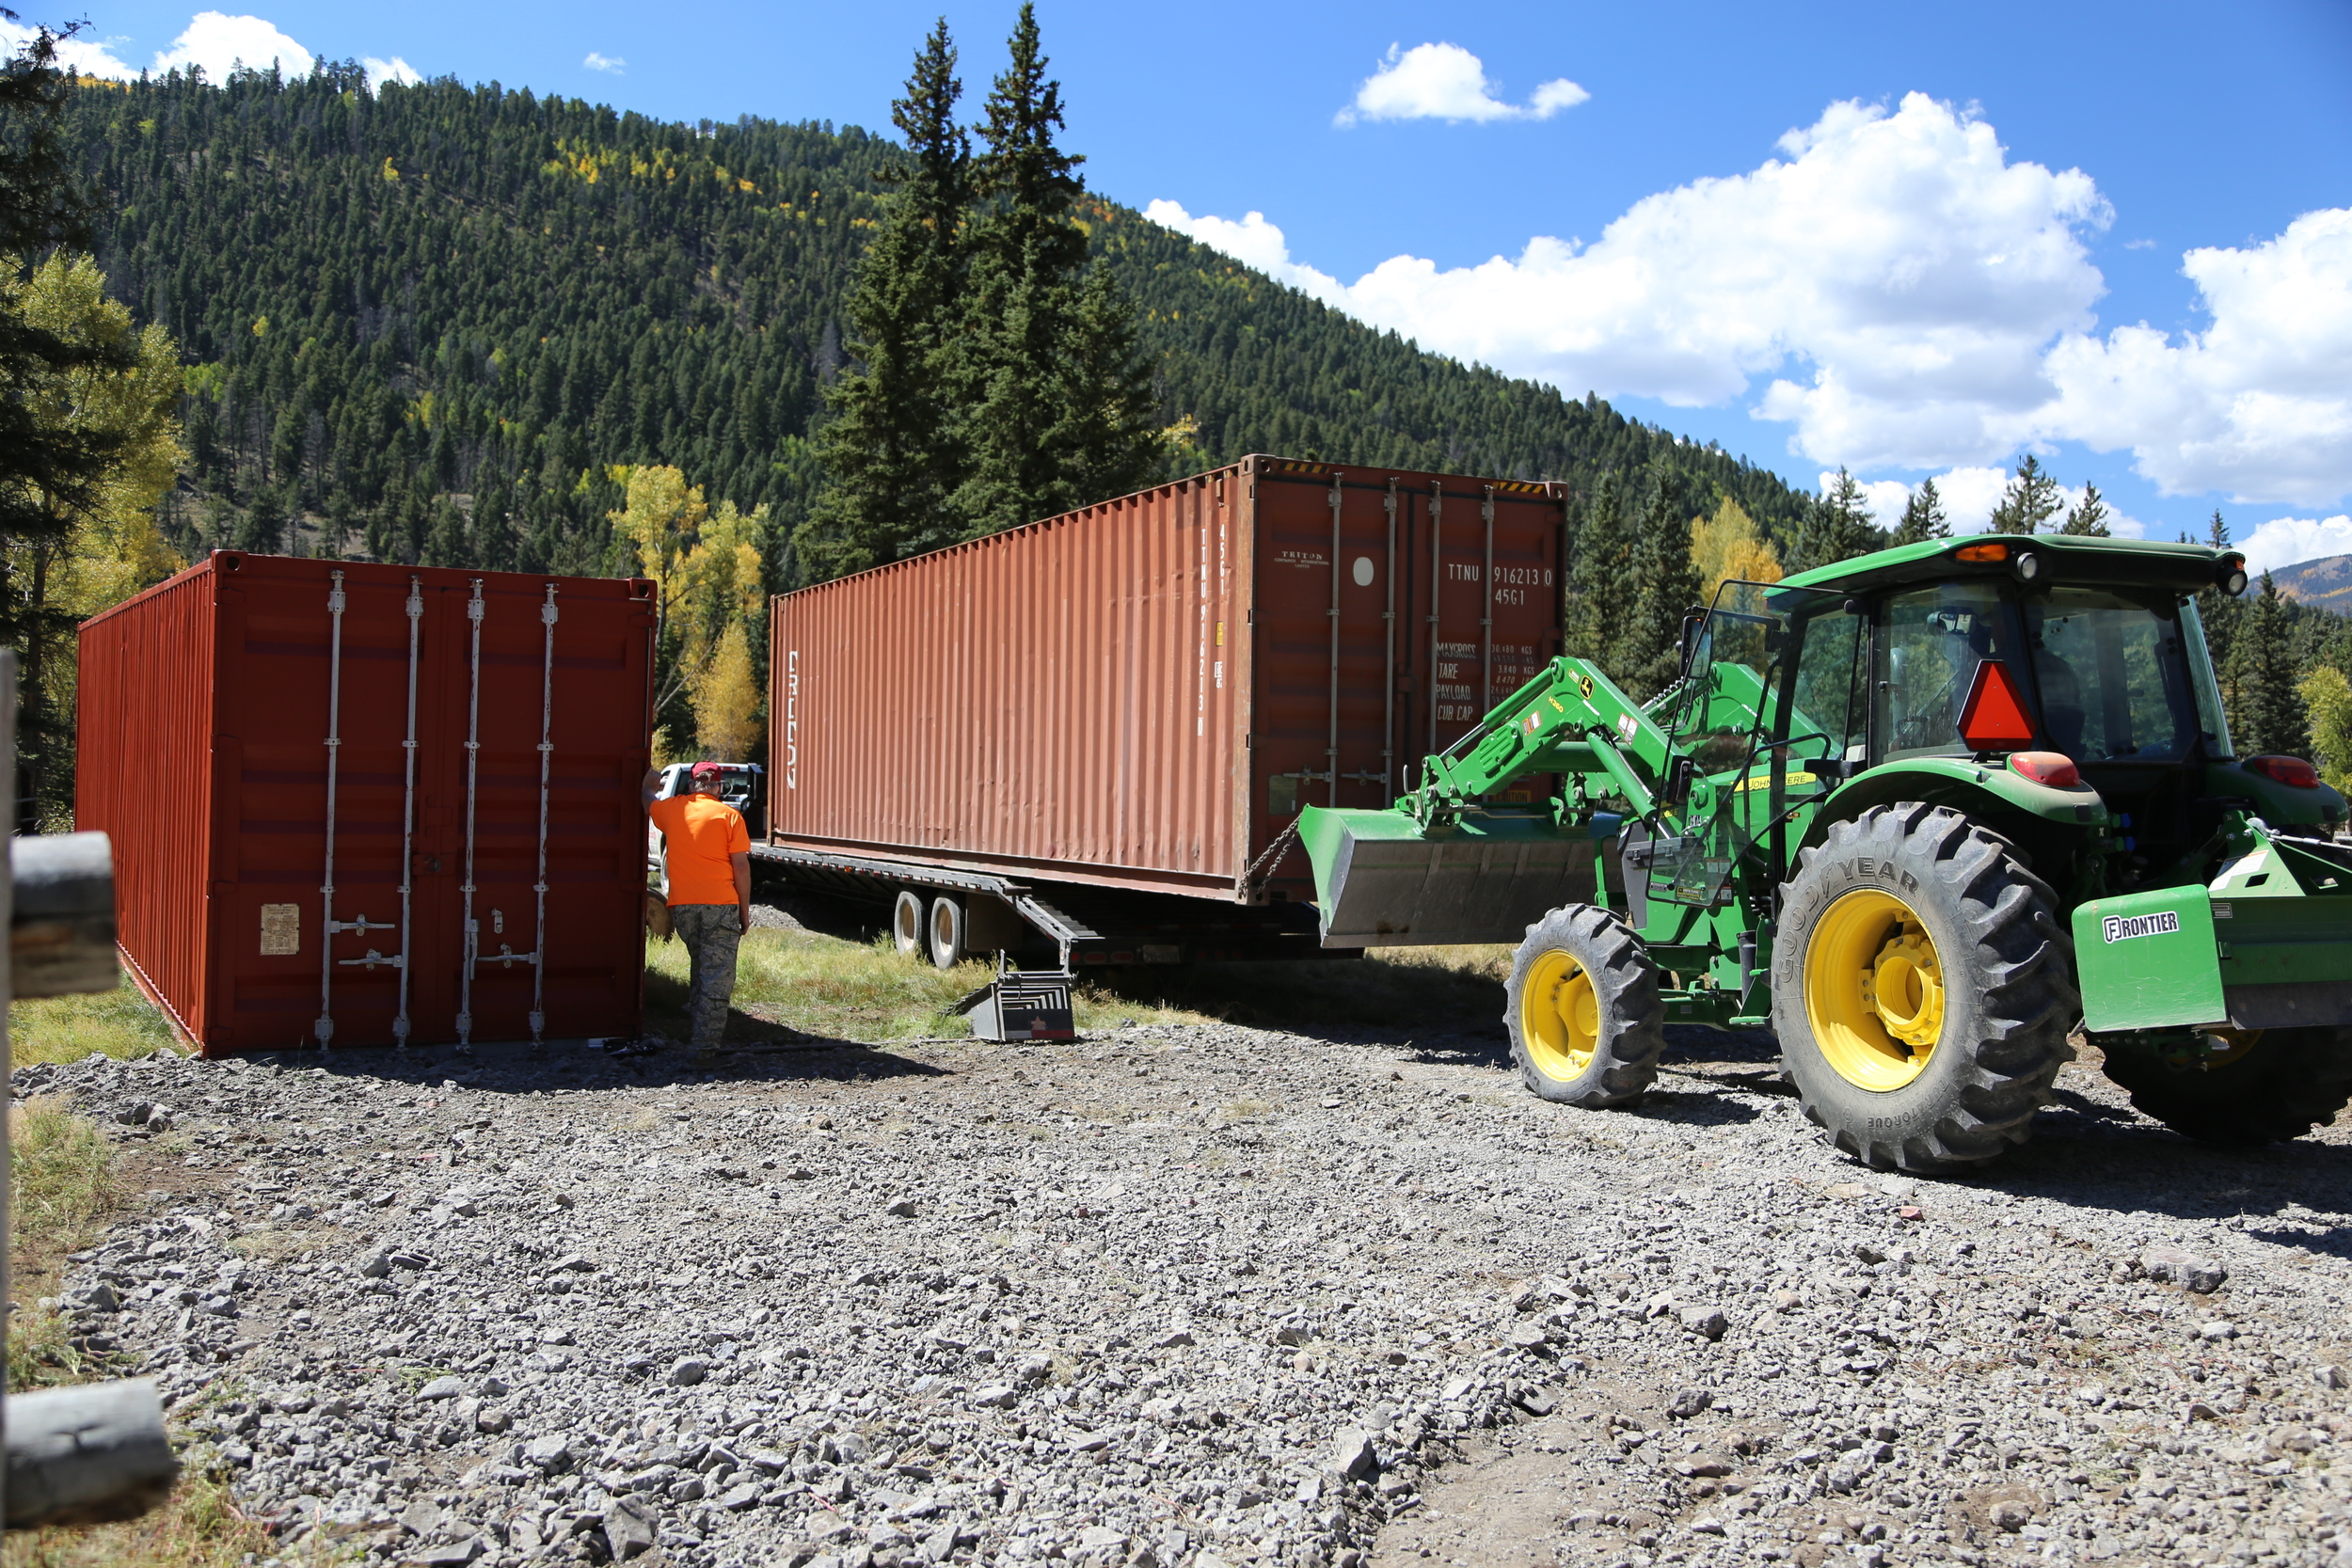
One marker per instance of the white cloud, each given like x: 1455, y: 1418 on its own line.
x: 611, y: 64
x: 1445, y: 80
x: 2259, y: 406
x: 85, y: 56
x: 1968, y: 496
x: 1894, y: 273
x: 220, y: 43
x: 1253, y: 242
x: 2292, y: 541
x: 394, y: 70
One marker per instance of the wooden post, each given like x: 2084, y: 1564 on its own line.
x: 97, y: 1451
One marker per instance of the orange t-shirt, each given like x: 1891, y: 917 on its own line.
x: 701, y: 833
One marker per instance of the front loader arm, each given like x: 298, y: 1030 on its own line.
x: 1570, y: 719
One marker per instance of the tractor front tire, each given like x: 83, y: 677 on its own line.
x: 1582, y: 1010
x: 2275, y: 1085
x: 1920, y: 989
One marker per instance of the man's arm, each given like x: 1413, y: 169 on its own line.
x: 651, y: 788
x: 741, y: 861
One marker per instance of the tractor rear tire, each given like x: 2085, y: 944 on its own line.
x: 2284, y: 1082
x: 1582, y: 1010
x: 1920, y: 989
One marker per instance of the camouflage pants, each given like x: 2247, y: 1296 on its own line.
x: 711, y: 933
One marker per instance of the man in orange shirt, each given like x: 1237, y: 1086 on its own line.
x: 709, y: 857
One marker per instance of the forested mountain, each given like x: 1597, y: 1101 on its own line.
x: 431, y: 318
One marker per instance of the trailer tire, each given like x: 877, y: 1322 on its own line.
x: 945, y: 932
x: 1582, y: 1010
x: 906, y: 922
x: 2277, y: 1085
x: 1920, y: 989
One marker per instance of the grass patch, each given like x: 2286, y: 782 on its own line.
x: 62, y: 1190
x: 199, y: 1526
x: 120, y: 1022
x: 816, y: 984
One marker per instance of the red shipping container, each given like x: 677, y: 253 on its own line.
x: 1141, y: 694
x: 370, y: 804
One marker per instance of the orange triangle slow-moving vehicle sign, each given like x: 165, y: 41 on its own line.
x: 1994, y: 719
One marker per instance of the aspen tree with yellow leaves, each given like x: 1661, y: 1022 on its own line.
x: 1730, y: 547
x: 705, y: 565
x: 102, y: 543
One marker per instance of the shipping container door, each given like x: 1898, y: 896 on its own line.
x: 1486, y: 606
x: 311, y: 710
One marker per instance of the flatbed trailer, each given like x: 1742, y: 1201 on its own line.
x: 948, y: 914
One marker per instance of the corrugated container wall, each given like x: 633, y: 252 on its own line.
x: 279, y: 750
x: 1143, y: 694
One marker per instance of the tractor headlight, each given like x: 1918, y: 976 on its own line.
x: 2028, y: 565
x: 2229, y: 575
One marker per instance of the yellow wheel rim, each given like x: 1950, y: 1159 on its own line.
x: 1874, y: 991
x: 2223, y: 1047
x: 1560, y: 1017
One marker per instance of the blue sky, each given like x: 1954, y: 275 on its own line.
x: 1913, y: 239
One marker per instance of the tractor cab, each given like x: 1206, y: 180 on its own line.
x: 2051, y: 683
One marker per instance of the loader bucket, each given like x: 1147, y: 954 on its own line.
x: 1381, y: 881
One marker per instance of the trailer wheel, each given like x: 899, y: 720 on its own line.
x: 1920, y: 989
x: 2256, y: 1086
x: 947, y: 931
x: 1581, y: 1007
x: 906, y: 922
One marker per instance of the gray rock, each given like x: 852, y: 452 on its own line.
x: 1688, y: 1402
x: 2188, y: 1270
x: 1708, y: 1322
x: 551, y: 1454
x: 903, y: 1209
x: 995, y: 1396
x: 628, y: 1528
x: 689, y: 1370
x: 1352, y: 1455
x: 448, y: 1554
x: 442, y: 1388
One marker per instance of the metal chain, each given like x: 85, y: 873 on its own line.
x: 1273, y: 853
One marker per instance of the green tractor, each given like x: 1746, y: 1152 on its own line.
x: 1922, y: 814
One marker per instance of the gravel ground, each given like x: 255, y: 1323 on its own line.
x: 1209, y: 1295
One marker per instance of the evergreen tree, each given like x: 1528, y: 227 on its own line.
x: 889, y: 448
x: 2221, y: 615
x: 2090, y: 518
x: 1042, y: 369
x: 2030, y: 499
x: 1836, y: 527
x: 1600, y: 578
x: 1923, y: 516
x: 2270, y: 716
x: 1669, y: 586
x: 264, y: 528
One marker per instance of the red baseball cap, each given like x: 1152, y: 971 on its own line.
x: 708, y: 773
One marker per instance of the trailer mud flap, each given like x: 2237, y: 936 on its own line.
x: 1381, y: 884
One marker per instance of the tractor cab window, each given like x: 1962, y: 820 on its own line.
x: 1825, y: 717
x: 2113, y: 675
x: 1930, y: 641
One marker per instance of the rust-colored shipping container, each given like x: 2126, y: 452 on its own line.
x: 365, y: 804
x: 1143, y: 694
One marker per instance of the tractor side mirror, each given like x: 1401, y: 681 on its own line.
x: 1693, y: 619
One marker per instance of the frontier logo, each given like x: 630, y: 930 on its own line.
x: 2124, y: 928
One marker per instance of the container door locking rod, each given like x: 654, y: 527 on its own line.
x: 408, y: 810
x: 473, y: 754
x: 324, y: 1027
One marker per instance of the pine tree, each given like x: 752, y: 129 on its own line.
x: 1923, y: 516
x: 2030, y: 501
x: 888, y: 447
x: 1044, y: 369
x: 1669, y: 586
x: 2089, y: 517
x: 2221, y: 615
x: 1836, y: 527
x: 1600, y: 578
x: 2270, y: 716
